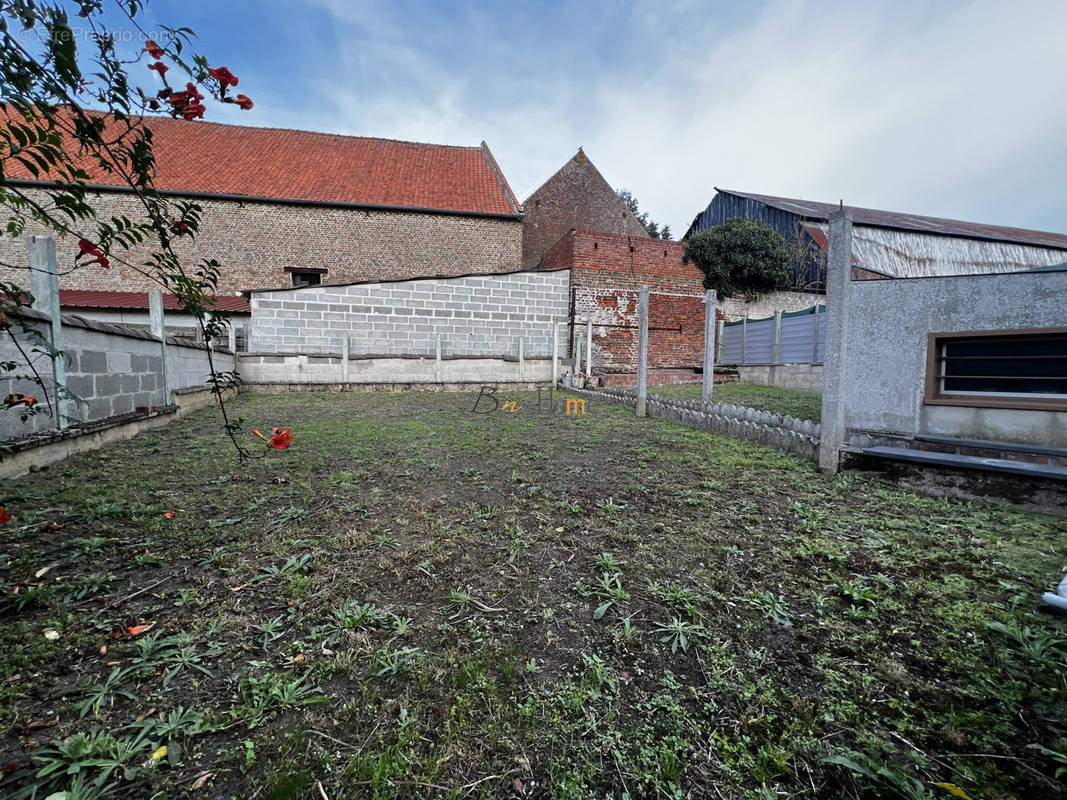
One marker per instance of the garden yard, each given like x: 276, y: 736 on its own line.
x: 417, y: 601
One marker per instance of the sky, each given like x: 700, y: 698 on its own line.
x: 950, y: 109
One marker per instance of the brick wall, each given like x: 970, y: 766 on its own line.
x: 576, y: 197
x: 607, y: 271
x: 479, y: 315
x: 255, y: 242
x: 110, y: 369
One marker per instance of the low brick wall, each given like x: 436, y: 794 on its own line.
x: 798, y: 377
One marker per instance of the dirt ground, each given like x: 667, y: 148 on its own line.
x: 415, y: 600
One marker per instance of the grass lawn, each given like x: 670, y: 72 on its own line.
x: 414, y: 601
x: 802, y: 405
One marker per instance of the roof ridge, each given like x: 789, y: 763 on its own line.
x: 150, y: 118
x: 900, y: 214
x: 513, y: 201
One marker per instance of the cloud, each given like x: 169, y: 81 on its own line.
x: 945, y: 109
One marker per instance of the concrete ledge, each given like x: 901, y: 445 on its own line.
x: 25, y: 455
x: 327, y: 370
x: 1041, y: 495
x: 412, y: 386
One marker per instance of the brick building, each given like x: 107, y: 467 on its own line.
x: 607, y: 270
x: 577, y: 197
x: 290, y: 208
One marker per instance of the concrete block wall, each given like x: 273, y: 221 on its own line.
x: 798, y: 377
x: 111, y: 369
x: 481, y: 315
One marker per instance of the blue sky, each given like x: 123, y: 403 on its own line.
x: 955, y: 109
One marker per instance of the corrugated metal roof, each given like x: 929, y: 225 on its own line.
x: 79, y: 298
x: 914, y: 254
x: 909, y: 222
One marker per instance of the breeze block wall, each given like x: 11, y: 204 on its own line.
x: 256, y: 241
x: 111, y: 370
x: 607, y: 271
x: 481, y: 315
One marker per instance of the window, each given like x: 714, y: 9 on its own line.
x: 1022, y: 369
x: 305, y: 276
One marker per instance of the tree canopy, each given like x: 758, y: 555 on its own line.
x: 740, y: 257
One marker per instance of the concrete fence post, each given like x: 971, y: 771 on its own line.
x: 155, y: 317
x: 776, y: 355
x: 708, y: 386
x: 555, y: 353
x: 231, y: 333
x: 744, y: 339
x: 345, y: 351
x: 838, y: 293
x: 438, y: 372
x: 44, y: 284
x: 522, y: 359
x: 589, y: 348
x: 720, y: 341
x: 642, y: 350
x: 815, y: 337
x: 577, y: 356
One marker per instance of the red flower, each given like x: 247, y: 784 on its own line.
x: 19, y: 399
x: 223, y: 76
x: 180, y: 227
x: 244, y: 102
x: 280, y: 439
x: 4, y: 516
x: 153, y: 49
x: 159, y: 67
x: 193, y: 93
x: 89, y: 249
x: 193, y: 111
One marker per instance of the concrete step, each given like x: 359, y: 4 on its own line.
x: 1027, y: 468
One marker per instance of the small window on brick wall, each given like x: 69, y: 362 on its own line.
x: 994, y: 369
x: 305, y: 276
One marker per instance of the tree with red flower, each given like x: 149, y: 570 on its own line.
x: 52, y: 131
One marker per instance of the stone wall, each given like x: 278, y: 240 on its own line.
x: 735, y: 308
x: 255, y: 242
x: 111, y: 371
x: 473, y: 315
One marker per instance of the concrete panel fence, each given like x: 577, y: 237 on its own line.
x: 109, y: 371
x: 787, y: 337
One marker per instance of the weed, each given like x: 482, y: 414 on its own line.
x: 96, y: 695
x: 679, y: 633
x: 261, y: 695
x: 773, y: 606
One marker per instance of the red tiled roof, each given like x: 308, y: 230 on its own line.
x: 78, y: 298
x: 212, y: 158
